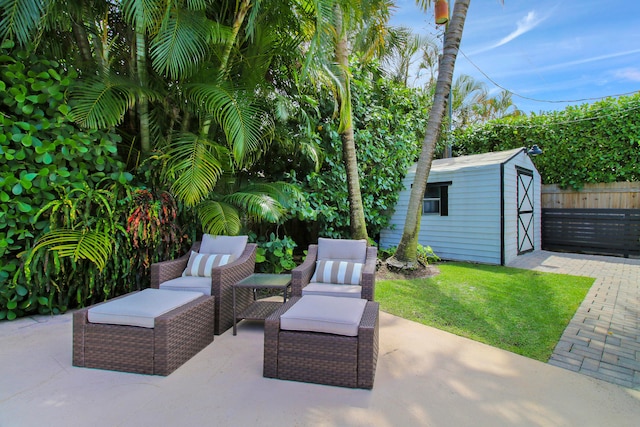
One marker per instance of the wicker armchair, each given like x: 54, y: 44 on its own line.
x: 222, y: 279
x: 302, y: 275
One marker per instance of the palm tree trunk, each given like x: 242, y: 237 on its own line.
x: 238, y: 20
x: 356, y: 210
x: 82, y: 40
x: 406, y: 254
x: 143, y: 102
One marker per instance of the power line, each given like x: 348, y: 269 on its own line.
x: 616, y: 114
x: 541, y: 100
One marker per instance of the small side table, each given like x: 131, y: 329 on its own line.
x: 260, y: 309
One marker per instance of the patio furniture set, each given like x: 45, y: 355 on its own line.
x: 326, y: 333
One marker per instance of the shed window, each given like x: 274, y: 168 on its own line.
x: 436, y: 199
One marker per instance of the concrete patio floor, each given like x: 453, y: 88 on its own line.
x: 425, y: 377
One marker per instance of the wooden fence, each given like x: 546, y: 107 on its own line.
x: 615, y: 195
x: 600, y: 219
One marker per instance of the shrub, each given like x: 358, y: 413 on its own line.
x: 274, y: 255
x: 42, y: 152
x: 590, y: 143
x: 73, y: 229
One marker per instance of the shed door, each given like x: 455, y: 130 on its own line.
x: 525, y: 210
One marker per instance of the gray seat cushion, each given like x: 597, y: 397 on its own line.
x: 188, y: 283
x: 140, y: 308
x: 331, y: 315
x: 333, y: 290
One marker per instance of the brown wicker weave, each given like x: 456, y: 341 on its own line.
x: 322, y: 358
x: 301, y: 275
x: 176, y: 337
x: 222, y: 278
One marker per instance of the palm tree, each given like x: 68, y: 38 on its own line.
x: 356, y: 26
x: 406, y: 253
x: 356, y: 210
x: 403, y: 47
x: 430, y: 59
x: 466, y: 93
x: 490, y: 108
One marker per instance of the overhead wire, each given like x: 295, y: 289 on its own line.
x: 542, y: 100
x: 618, y: 113
x: 566, y: 122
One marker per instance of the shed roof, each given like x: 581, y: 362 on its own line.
x: 474, y: 160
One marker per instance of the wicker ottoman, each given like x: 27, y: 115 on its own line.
x: 320, y: 357
x: 175, y: 337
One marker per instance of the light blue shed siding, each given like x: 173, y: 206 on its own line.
x: 473, y: 229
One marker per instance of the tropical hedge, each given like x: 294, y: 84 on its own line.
x: 60, y: 183
x: 589, y: 143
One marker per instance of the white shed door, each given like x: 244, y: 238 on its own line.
x: 525, y: 210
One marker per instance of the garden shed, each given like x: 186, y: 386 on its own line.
x: 482, y: 208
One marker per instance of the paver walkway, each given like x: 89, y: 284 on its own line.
x: 603, y: 338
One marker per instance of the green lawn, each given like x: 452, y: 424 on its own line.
x: 522, y: 311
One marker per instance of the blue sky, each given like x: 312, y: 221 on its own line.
x: 549, y: 50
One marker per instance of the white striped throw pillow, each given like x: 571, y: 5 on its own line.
x: 338, y: 272
x: 200, y: 265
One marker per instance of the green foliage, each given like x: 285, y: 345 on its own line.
x: 389, y: 122
x: 60, y: 272
x: 274, y: 255
x: 42, y: 153
x: 67, y: 262
x: 80, y: 225
x: 425, y: 256
x: 73, y: 230
x: 590, y: 143
x: 240, y: 203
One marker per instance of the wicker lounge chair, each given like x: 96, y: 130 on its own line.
x: 169, y: 275
x: 321, y: 357
x: 304, y: 281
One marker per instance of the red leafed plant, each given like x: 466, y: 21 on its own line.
x: 155, y: 230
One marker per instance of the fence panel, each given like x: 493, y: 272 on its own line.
x: 592, y: 231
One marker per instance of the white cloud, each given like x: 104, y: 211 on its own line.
x: 630, y: 74
x: 523, y: 26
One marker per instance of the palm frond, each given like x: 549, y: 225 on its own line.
x: 92, y: 245
x: 148, y: 12
x: 21, y: 19
x: 219, y: 218
x: 181, y: 43
x: 194, y: 165
x: 257, y: 205
x: 245, y: 125
x: 283, y: 193
x: 196, y: 4
x: 312, y: 151
x: 102, y: 102
x: 321, y: 33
